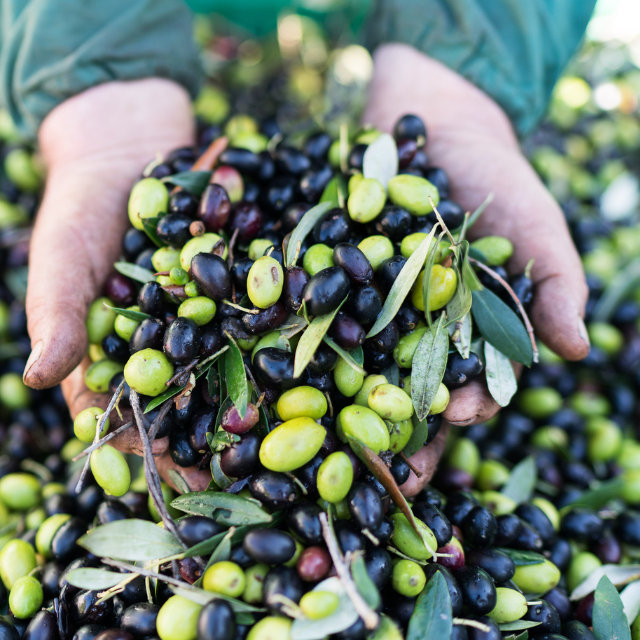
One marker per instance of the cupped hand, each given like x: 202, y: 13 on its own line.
x: 471, y: 138
x: 94, y: 146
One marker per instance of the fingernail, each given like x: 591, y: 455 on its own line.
x: 461, y: 423
x: 35, y: 354
x: 582, y: 332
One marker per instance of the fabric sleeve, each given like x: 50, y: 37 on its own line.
x: 51, y: 50
x: 514, y: 50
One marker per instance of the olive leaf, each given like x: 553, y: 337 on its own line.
x: 363, y: 582
x: 334, y: 192
x: 392, y: 374
x: 609, y: 621
x: 429, y: 363
x: 460, y: 334
x: 150, y: 226
x: 221, y: 440
x: 135, y: 272
x: 501, y: 378
x: 219, y: 477
x: 403, y: 284
x: 136, y: 316
x: 523, y: 558
x: 194, y: 182
x: 460, y: 305
x: 500, y: 326
x: 213, y: 382
x: 522, y: 481
x: 619, y: 575
x: 380, y: 160
x: 354, y: 358
x: 202, y: 597
x: 236, y: 377
x: 225, y: 508
x: 599, y: 495
x: 418, y: 436
x: 518, y: 625
x: 311, y: 339
x: 303, y: 228
x: 621, y: 285
x: 179, y: 482
x: 630, y: 597
x: 132, y: 539
x: 432, y: 616
x: 473, y: 218
x: 292, y: 326
x: 283, y: 343
x: 94, y: 579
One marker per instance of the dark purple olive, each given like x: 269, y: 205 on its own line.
x: 326, y: 290
x: 149, y: 334
x: 212, y: 276
x: 115, y: 348
x: 346, y: 332
x: 354, y: 262
x: 275, y: 490
x: 43, y: 626
x: 182, y: 341
x: 275, y: 367
x: 114, y: 634
x: 151, y: 299
x: 140, y: 619
x: 407, y: 149
x: 241, y: 458
x: 295, y: 280
x: 214, y: 207
x: 247, y: 218
x: 324, y: 359
x: 269, y: 546
x: 266, y: 319
x: 120, y: 290
x: 173, y: 229
x: 333, y: 228
x: 216, y: 621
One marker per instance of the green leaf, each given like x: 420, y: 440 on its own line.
x: 354, y: 358
x: 221, y: 440
x: 518, y: 625
x: 225, y: 508
x: 380, y: 160
x: 194, y: 182
x: 523, y: 558
x: 95, y: 579
x: 135, y: 540
x: 219, y: 477
x: 213, y: 384
x: 179, y: 482
x: 460, y: 334
x: 283, y: 343
x: 631, y: 601
x: 236, y: 377
x: 500, y: 326
x: 333, y: 192
x: 311, y: 339
x: 460, y: 305
x: 366, y: 587
x: 304, y: 227
x: 136, y: 316
x: 150, y: 228
x: 418, y: 436
x: 429, y: 363
x: 522, y: 480
x: 597, y: 497
x: 609, y: 620
x: 501, y: 378
x: 135, y: 272
x: 392, y: 374
x: 222, y: 552
x: 619, y: 574
x: 432, y: 617
x: 202, y: 597
x: 403, y: 284
x: 621, y: 285
x: 478, y: 212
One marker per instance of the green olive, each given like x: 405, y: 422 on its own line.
x: 549, y: 510
x: 125, y: 327
x: 200, y: 244
x: 629, y: 456
x: 258, y: 247
x: 292, y: 444
x: 148, y: 198
x: 239, y: 124
x: 441, y: 400
x: 606, y: 337
x: 21, y: 168
x: 377, y: 249
x: 354, y: 181
x: 443, y: 283
x: 510, y: 606
x: 335, y: 477
x: 26, y: 597
x: 302, y: 402
x: 317, y: 258
x: 412, y: 193
x: 348, y: 381
x: 550, y: 438
x: 17, y: 559
x: 178, y: 619
x: 540, y: 402
x: 390, y: 402
x: 191, y: 289
x: 369, y: 135
x: 464, y: 455
x: 366, y: 200
x: 110, y: 470
x: 178, y: 276
x: 582, y: 565
x: 265, y: 281
x: 589, y: 403
x: 148, y: 371
x: 100, y: 320
x: 224, y: 577
x: 604, y: 441
x: 254, y: 578
x: 53, y: 489
x: 404, y: 352
x: 495, y: 249
x: 165, y: 259
x: 411, y: 242
x: 631, y: 488
x: 387, y: 630
x: 498, y: 503
x: 86, y: 423
x: 270, y: 628
x: 319, y: 604
x: 268, y: 340
x: 255, y: 142
x: 399, y: 435
x: 369, y: 383
x: 71, y: 449
x: 34, y: 518
x: 365, y: 425
x: 200, y: 309
x: 14, y: 393
x: 491, y: 475
x: 536, y: 578
x: 164, y: 281
x: 296, y: 555
x: 408, y: 578
x: 99, y: 374
x: 20, y: 491
x: 47, y: 530
x: 407, y: 541
x: 96, y: 352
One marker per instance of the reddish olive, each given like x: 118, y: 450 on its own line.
x: 346, y: 331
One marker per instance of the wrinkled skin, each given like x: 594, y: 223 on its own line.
x: 77, y: 235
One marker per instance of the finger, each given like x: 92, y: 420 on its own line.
x: 426, y: 461
x: 470, y: 404
x: 197, y: 480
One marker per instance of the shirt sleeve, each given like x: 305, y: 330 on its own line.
x: 514, y: 50
x: 51, y: 50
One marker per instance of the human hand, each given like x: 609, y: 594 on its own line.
x: 471, y: 138
x: 94, y: 146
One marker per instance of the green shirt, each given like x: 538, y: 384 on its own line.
x: 51, y: 50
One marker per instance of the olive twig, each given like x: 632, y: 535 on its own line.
x: 232, y: 244
x: 143, y: 571
x: 411, y: 466
x: 441, y: 221
x: 101, y: 422
x: 472, y: 623
x: 159, y: 419
x: 254, y: 312
x: 368, y: 615
x: 97, y: 445
x: 512, y: 293
x: 182, y: 371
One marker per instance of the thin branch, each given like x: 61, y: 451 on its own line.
x: 182, y: 371
x: 253, y: 312
x: 512, y: 293
x: 368, y: 615
x: 97, y: 445
x: 441, y: 221
x: 142, y: 571
x: 103, y: 419
x: 472, y: 623
x: 159, y: 419
x: 411, y: 466
x: 232, y: 244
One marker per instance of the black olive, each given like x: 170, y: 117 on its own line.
x: 87, y: 632
x: 216, y: 621
x: 184, y: 203
x: 409, y: 126
x: 582, y: 525
x: 440, y: 180
x: 354, y: 262
x: 203, y: 422
x: 458, y: 506
x: 561, y: 602
x: 49, y: 579
x: 349, y: 538
x: 576, y: 630
x: 151, y: 299
x: 322, y: 381
x: 275, y: 490
x: 407, y: 319
x: 134, y: 591
x: 149, y: 334
x: 281, y: 192
x: 365, y: 305
x: 140, y: 619
x: 333, y: 228
x: 43, y: 626
x: 455, y: 593
x: 247, y: 218
x: 269, y: 546
x: 490, y: 282
x: 326, y: 290
x: 112, y: 511
x: 180, y: 449
x: 451, y: 212
x: 346, y: 331
x: 546, y: 614
x: 293, y: 214
x: 241, y: 557
x: 314, y: 181
x: 173, y: 229
x: 291, y: 160
x: 435, y: 520
x: 478, y: 590
x: 134, y: 243
x: 144, y: 259
x: 59, y: 503
x: 528, y: 539
x: 281, y: 581
x: 295, y: 280
x: 267, y: 167
x: 182, y: 341
x: 323, y: 360
x: 496, y: 563
x: 308, y: 473
x: 241, y: 458
x: 317, y: 145
x: 384, y: 532
x: 240, y: 272
x: 115, y: 348
x: 276, y: 253
x: 400, y: 470
x: 537, y: 518
x: 400, y: 607
x: 480, y: 527
x: 265, y: 320
x: 386, y: 340
x: 493, y: 632
x: 114, y: 634
x: 460, y: 371
x: 523, y: 288
x: 195, y: 529
x: 407, y: 149
x: 394, y: 222
x: 63, y: 544
x: 304, y: 522
x: 275, y: 367
x: 508, y: 529
x: 86, y: 608
x: 356, y: 156
x: 212, y: 275
x: 378, y: 563
x: 244, y: 160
